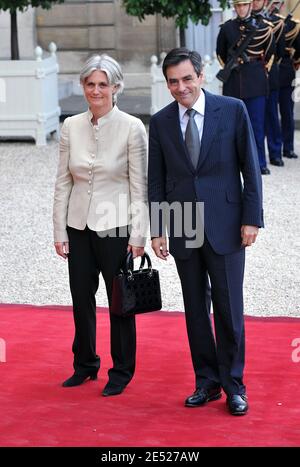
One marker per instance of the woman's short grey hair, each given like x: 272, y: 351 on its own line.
x: 107, y: 64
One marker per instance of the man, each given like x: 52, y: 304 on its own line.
x: 199, y: 158
x: 287, y: 73
x: 249, y: 81
x: 272, y: 124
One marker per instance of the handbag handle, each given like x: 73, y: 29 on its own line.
x: 129, y: 262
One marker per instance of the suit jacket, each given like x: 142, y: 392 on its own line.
x: 287, y: 71
x: 278, y: 32
x: 100, y: 173
x: 228, y: 150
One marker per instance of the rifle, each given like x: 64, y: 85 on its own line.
x: 276, y: 9
x: 238, y: 50
x: 290, y: 13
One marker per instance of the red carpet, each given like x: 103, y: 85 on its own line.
x: 36, y: 411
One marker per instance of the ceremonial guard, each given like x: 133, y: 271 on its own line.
x: 272, y: 124
x: 246, y: 48
x: 287, y: 73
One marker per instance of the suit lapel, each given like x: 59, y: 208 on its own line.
x: 210, y: 126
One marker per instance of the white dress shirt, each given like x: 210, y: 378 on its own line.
x: 199, y: 106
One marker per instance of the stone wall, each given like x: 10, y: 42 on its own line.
x: 26, y: 29
x: 80, y: 28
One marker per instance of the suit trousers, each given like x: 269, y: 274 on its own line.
x: 90, y: 255
x: 273, y: 130
x: 217, y: 359
x: 286, y: 106
x: 256, y: 107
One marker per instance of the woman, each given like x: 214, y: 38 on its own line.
x: 101, y: 175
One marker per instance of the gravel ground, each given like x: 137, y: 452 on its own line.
x: 32, y: 273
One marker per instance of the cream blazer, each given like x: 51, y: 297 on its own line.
x: 102, y: 176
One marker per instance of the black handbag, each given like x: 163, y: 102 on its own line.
x: 136, y: 291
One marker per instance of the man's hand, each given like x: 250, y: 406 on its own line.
x: 249, y: 234
x: 159, y: 246
x: 62, y: 249
x: 136, y: 250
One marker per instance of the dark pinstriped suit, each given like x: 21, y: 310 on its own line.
x: 228, y: 150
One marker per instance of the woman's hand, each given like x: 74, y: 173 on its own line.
x: 136, y: 250
x: 62, y: 249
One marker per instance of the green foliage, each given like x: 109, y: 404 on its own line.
x: 21, y: 5
x: 180, y: 10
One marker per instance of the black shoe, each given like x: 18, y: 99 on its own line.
x: 76, y: 380
x: 277, y: 162
x: 201, y: 396
x: 237, y: 404
x: 112, y: 389
x: 290, y: 155
x: 265, y: 171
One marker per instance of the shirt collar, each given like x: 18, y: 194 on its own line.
x: 199, y: 106
x: 104, y: 118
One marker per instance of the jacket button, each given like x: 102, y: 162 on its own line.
x: 89, y: 192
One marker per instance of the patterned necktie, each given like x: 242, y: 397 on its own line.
x: 192, y: 140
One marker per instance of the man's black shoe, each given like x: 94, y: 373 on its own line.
x: 265, y: 171
x: 112, y: 389
x: 277, y: 162
x: 76, y: 380
x: 290, y: 155
x: 237, y: 404
x: 201, y: 396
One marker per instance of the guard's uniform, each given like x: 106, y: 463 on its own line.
x: 287, y: 75
x: 249, y: 81
x: 273, y: 129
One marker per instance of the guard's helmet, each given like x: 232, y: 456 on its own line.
x: 241, y: 2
